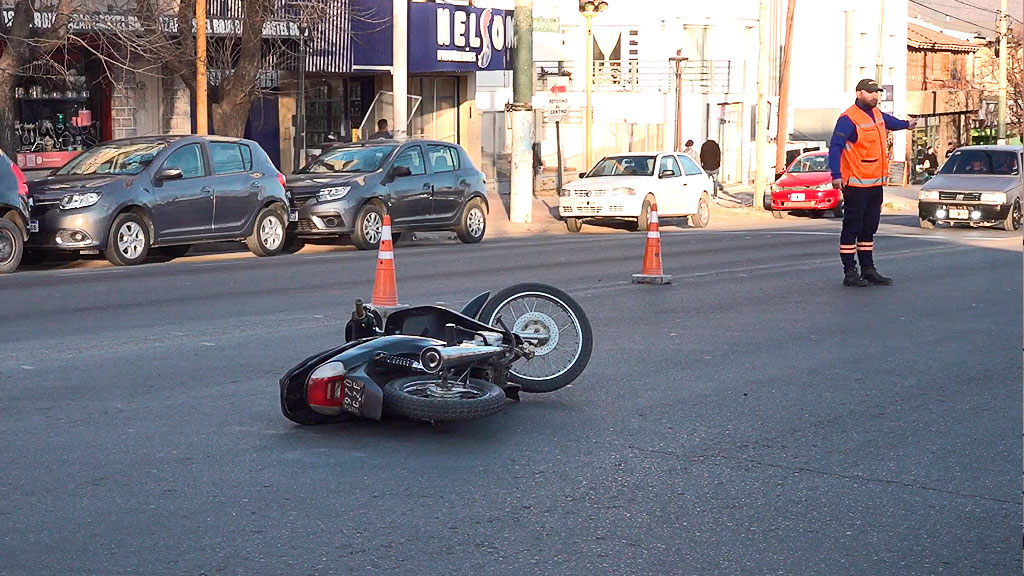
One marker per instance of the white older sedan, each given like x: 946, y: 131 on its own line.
x: 628, y: 185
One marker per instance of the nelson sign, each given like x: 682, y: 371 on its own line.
x: 446, y: 38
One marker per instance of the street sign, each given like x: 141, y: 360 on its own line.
x: 558, y: 100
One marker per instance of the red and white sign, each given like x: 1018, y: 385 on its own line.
x: 558, y: 99
x: 44, y: 160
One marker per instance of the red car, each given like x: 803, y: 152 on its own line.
x: 806, y: 185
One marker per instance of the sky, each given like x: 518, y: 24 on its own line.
x: 977, y: 16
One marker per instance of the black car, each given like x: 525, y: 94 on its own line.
x: 126, y: 196
x: 14, y: 214
x: 422, y: 184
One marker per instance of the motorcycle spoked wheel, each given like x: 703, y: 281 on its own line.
x: 421, y: 397
x: 564, y: 339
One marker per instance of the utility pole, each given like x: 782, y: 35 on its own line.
x: 521, y: 196
x: 400, y: 67
x: 1002, y: 74
x: 202, y: 116
x: 300, y: 106
x: 848, y: 58
x: 782, y: 125
x: 589, y: 9
x: 879, y: 57
x: 677, y: 67
x: 761, y: 132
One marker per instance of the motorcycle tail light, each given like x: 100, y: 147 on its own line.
x: 325, y: 389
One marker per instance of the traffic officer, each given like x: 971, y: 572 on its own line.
x: 859, y: 160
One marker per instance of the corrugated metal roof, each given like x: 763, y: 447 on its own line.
x: 927, y: 39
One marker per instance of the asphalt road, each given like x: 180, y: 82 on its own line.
x: 754, y: 417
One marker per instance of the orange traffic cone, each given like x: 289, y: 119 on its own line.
x: 385, y: 288
x: 651, y: 273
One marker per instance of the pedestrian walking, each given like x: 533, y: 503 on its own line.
x: 689, y: 151
x: 950, y: 148
x: 859, y: 162
x: 711, y: 161
x: 382, y: 132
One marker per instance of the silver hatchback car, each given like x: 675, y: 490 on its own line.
x: 978, y: 185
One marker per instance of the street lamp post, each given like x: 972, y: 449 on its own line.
x: 589, y: 9
x: 300, y: 112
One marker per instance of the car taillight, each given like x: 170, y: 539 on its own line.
x: 280, y: 178
x: 20, y: 176
x: 325, y: 389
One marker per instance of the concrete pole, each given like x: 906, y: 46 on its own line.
x: 588, y: 113
x: 848, y: 56
x: 202, y: 115
x: 521, y: 195
x: 761, y: 131
x: 879, y: 54
x: 1001, y: 111
x: 400, y: 67
x: 782, y: 125
x: 677, y: 68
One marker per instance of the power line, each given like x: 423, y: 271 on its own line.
x: 965, y: 3
x: 923, y: 5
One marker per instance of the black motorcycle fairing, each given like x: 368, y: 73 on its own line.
x: 293, y: 383
x: 473, y: 307
x: 429, y: 322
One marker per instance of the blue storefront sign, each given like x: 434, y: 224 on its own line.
x: 448, y: 38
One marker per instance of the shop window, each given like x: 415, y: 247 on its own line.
x: 188, y: 159
x: 412, y: 157
x: 442, y: 158
x: 228, y: 158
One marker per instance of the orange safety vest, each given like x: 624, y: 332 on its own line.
x: 865, y: 162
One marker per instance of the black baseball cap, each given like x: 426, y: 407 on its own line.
x: 868, y: 85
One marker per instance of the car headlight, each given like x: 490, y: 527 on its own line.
x: 624, y: 191
x: 564, y: 192
x: 335, y: 193
x: 71, y: 201
x: 997, y: 197
x: 928, y: 195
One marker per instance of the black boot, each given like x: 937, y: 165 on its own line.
x: 852, y: 278
x: 871, y: 275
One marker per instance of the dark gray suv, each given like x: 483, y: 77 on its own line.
x: 422, y: 184
x: 126, y: 196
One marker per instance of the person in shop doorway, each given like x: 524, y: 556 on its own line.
x: 950, y: 148
x: 931, y: 164
x: 382, y: 132
x: 689, y: 151
x: 711, y: 161
x: 859, y: 161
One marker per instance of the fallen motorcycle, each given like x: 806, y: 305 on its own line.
x: 436, y: 364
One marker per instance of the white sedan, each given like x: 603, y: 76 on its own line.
x: 628, y: 185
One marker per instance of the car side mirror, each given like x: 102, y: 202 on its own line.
x: 583, y: 174
x: 400, y: 172
x: 169, y: 174
x: 666, y: 174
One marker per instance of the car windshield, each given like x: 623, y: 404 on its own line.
x: 982, y: 162
x: 624, y: 166
x: 363, y: 159
x: 117, y: 159
x: 810, y: 164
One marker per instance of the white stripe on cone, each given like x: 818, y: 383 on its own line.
x: 654, y: 217
x: 385, y: 256
x: 654, y: 234
x: 385, y: 233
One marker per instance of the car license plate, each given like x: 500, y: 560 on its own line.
x: 353, y: 396
x: 293, y: 216
x: 958, y: 214
x: 33, y: 225
x: 797, y: 197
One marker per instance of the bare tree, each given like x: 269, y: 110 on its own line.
x: 987, y: 79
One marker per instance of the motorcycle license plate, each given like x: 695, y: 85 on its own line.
x: 33, y: 225
x: 797, y: 197
x: 293, y: 216
x: 958, y: 214
x: 353, y: 396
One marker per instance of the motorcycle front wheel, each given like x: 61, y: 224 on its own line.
x: 551, y: 323
x: 425, y: 397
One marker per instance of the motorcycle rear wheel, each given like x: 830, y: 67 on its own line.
x: 421, y: 397
x: 559, y: 327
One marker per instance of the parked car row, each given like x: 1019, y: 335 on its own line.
x: 129, y: 197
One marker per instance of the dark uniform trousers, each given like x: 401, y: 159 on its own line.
x: 862, y: 211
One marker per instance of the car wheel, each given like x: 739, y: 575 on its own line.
x: 268, y: 233
x: 472, y: 223
x: 128, y: 241
x: 1013, y: 218
x: 703, y: 216
x: 11, y: 246
x: 369, y: 226
x: 926, y: 223
x: 778, y: 214
x: 838, y: 210
x: 767, y: 202
x: 573, y: 225
x: 643, y: 222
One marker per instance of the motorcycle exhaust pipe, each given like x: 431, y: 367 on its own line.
x: 436, y: 358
